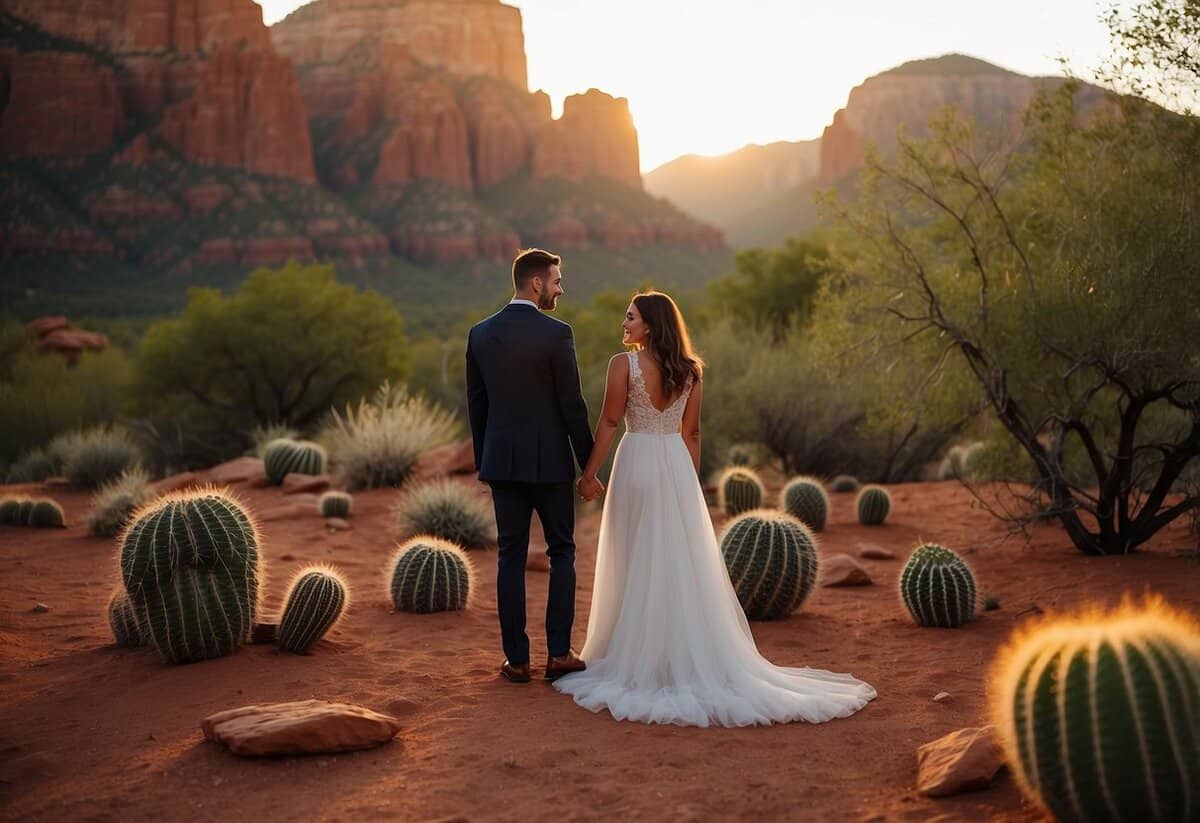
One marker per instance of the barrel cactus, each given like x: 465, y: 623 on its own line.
x: 873, y: 504
x: 10, y: 511
x: 740, y: 490
x: 285, y: 456
x: 938, y: 587
x: 1099, y: 714
x: 24, y: 511
x: 740, y: 455
x: 123, y: 620
x: 191, y: 566
x: 336, y: 504
x: 46, y: 514
x: 844, y: 483
x: 804, y: 498
x: 314, y: 602
x: 772, y: 562
x: 430, y: 575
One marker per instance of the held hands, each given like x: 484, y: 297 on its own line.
x: 589, y: 488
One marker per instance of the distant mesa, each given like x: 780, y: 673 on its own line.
x: 56, y: 334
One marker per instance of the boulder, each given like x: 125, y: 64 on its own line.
x: 843, y: 570
x: 870, y: 551
x: 962, y: 761
x: 299, y: 483
x: 238, y: 470
x: 300, y: 727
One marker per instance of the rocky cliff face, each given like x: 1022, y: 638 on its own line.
x: 594, y: 137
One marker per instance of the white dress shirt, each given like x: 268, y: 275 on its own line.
x: 522, y: 301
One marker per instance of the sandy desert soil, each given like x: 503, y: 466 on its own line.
x: 92, y: 731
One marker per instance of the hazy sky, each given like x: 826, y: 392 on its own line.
x: 702, y: 78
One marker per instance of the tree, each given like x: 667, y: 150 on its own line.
x: 773, y: 288
x: 1157, y: 51
x: 1061, y: 272
x: 284, y: 349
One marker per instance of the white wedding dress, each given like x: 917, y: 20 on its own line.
x: 667, y: 640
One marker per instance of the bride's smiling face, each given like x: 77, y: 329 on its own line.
x: 634, y: 328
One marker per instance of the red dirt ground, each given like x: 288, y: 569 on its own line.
x: 92, y: 731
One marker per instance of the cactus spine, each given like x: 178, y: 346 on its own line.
x: 315, y: 600
x: 285, y: 456
x: 190, y: 564
x: 804, y: 498
x: 430, y: 575
x: 123, y: 620
x: 874, y: 504
x: 938, y: 587
x: 740, y: 490
x: 336, y: 504
x: 772, y: 562
x: 1099, y: 714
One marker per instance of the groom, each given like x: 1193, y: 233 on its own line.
x: 527, y: 416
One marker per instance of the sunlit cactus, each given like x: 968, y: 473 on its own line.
x: 938, y: 587
x: 285, y: 456
x: 772, y: 562
x: 430, y: 575
x: 740, y: 490
x: 804, y: 498
x: 123, y: 620
x: 336, y: 504
x: 873, y: 504
x: 315, y: 600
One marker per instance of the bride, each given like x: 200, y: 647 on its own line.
x: 667, y: 641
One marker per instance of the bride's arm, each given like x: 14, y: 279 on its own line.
x: 615, y: 388
x: 691, y: 423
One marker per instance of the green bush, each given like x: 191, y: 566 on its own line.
x: 447, y: 509
x: 116, y: 501
x: 378, y: 443
x: 96, y: 456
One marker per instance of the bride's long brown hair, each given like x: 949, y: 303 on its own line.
x: 668, y: 340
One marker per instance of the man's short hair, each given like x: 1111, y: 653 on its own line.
x: 529, y: 263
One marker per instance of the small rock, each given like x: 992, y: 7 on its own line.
x: 40, y: 608
x: 300, y: 727
x: 297, y: 483
x: 843, y: 570
x: 962, y: 761
x: 870, y: 551
x: 238, y: 470
x: 337, y: 524
x: 941, y: 696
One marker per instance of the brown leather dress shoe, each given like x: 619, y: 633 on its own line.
x: 556, y: 667
x: 515, y: 674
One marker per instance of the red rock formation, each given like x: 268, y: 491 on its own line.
x: 429, y: 141
x: 149, y: 25
x: 594, y: 136
x: 56, y: 334
x: 246, y: 112
x: 464, y: 37
x: 58, y: 103
x: 502, y: 125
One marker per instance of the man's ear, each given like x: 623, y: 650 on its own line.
x: 538, y: 284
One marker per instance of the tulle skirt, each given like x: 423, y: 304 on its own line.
x: 667, y: 641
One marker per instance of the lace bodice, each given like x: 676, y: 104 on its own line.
x: 640, y: 414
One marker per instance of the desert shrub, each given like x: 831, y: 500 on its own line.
x: 261, y: 436
x: 96, y: 456
x: 447, y: 509
x: 116, y: 501
x: 377, y: 443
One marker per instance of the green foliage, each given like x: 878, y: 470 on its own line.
x: 772, y: 563
x: 739, y: 490
x: 336, y: 504
x: 1100, y: 715
x: 378, y: 443
x: 446, y: 509
x: 773, y: 288
x: 938, y: 587
x: 873, y: 505
x: 314, y: 602
x: 284, y: 349
x: 804, y: 498
x: 190, y: 564
x: 430, y: 575
x: 283, y: 457
x: 116, y: 501
x: 46, y: 514
x: 124, y: 621
x: 960, y: 462
x: 844, y: 483
x: 97, y: 456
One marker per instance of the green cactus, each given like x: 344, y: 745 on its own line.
x: 10, y: 511
x: 873, y: 505
x: 336, y: 504
x: 24, y: 511
x: 285, y: 456
x: 1099, y: 715
x: 739, y: 455
x: 123, y: 620
x: 46, y: 514
x: 740, y: 490
x: 844, y: 483
x: 772, y: 562
x: 938, y: 587
x: 315, y: 600
x: 430, y: 575
x: 804, y: 498
x: 190, y: 564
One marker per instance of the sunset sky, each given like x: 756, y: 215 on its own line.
x: 702, y: 78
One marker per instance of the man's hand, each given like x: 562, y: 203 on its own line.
x: 589, y: 488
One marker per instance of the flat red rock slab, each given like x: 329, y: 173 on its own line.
x: 301, y: 727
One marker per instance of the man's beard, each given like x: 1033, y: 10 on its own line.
x: 546, y: 302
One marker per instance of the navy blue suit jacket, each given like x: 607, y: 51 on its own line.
x: 524, y: 401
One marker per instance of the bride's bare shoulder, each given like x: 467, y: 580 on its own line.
x: 619, y: 361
